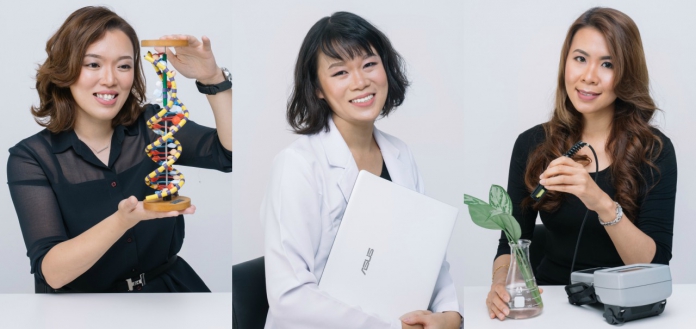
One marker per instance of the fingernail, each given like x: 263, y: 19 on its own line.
x: 407, y: 320
x: 542, y: 181
x: 501, y: 316
x: 506, y: 311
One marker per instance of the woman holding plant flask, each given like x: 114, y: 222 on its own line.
x: 347, y: 75
x: 602, y: 99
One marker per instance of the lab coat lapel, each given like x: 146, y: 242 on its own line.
x: 338, y: 155
x: 400, y: 170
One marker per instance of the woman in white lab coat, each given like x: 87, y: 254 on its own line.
x: 347, y: 74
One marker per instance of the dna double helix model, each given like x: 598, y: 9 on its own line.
x: 165, y: 150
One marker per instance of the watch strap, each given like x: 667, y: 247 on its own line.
x: 216, y: 88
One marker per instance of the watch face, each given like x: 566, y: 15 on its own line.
x: 227, y: 74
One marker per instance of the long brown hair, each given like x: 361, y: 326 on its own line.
x: 66, y: 49
x: 631, y: 144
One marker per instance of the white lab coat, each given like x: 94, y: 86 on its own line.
x: 309, y: 189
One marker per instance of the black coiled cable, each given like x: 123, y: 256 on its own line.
x: 575, y: 253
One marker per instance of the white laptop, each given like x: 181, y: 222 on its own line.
x: 389, y: 248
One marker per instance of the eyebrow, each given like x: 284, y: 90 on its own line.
x: 339, y: 63
x: 100, y: 57
x: 334, y: 64
x: 588, y: 55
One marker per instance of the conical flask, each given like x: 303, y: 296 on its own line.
x: 525, y: 299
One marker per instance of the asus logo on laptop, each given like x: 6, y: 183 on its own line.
x: 366, y: 263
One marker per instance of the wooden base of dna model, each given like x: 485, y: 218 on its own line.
x: 165, y: 150
x: 177, y: 203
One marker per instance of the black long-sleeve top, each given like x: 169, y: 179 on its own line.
x: 655, y: 215
x: 61, y: 189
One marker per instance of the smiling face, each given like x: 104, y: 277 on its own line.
x: 589, y: 73
x: 106, y: 78
x: 355, y: 89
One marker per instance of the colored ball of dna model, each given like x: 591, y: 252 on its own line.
x: 165, y: 150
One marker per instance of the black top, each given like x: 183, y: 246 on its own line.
x: 385, y: 173
x: 60, y: 189
x: 655, y: 215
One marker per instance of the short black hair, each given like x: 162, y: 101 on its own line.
x: 339, y: 36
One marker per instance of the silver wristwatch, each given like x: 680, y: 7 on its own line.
x: 227, y: 74
x: 619, y: 215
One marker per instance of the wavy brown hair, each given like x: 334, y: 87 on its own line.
x: 632, y: 145
x: 66, y: 50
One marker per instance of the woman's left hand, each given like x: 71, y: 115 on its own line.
x: 195, y: 61
x: 566, y: 175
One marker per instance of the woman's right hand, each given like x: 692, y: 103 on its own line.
x: 497, y: 301
x: 411, y: 314
x: 131, y: 212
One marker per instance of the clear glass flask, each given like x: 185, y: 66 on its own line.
x: 525, y: 298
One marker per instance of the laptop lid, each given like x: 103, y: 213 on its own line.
x: 389, y: 248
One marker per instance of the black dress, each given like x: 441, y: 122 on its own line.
x: 655, y: 216
x: 61, y: 189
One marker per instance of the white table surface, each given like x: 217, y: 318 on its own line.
x: 121, y: 311
x: 558, y: 313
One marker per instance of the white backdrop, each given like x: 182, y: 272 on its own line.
x: 25, y: 27
x: 482, y: 73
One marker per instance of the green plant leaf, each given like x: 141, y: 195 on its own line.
x: 501, y: 221
x: 499, y: 199
x: 495, y: 217
x: 481, y: 214
x: 516, y: 227
x: 470, y: 200
x: 510, y: 225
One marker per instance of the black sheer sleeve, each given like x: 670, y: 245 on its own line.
x: 524, y: 145
x: 656, y: 215
x: 60, y: 189
x: 35, y: 202
x: 201, y: 145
